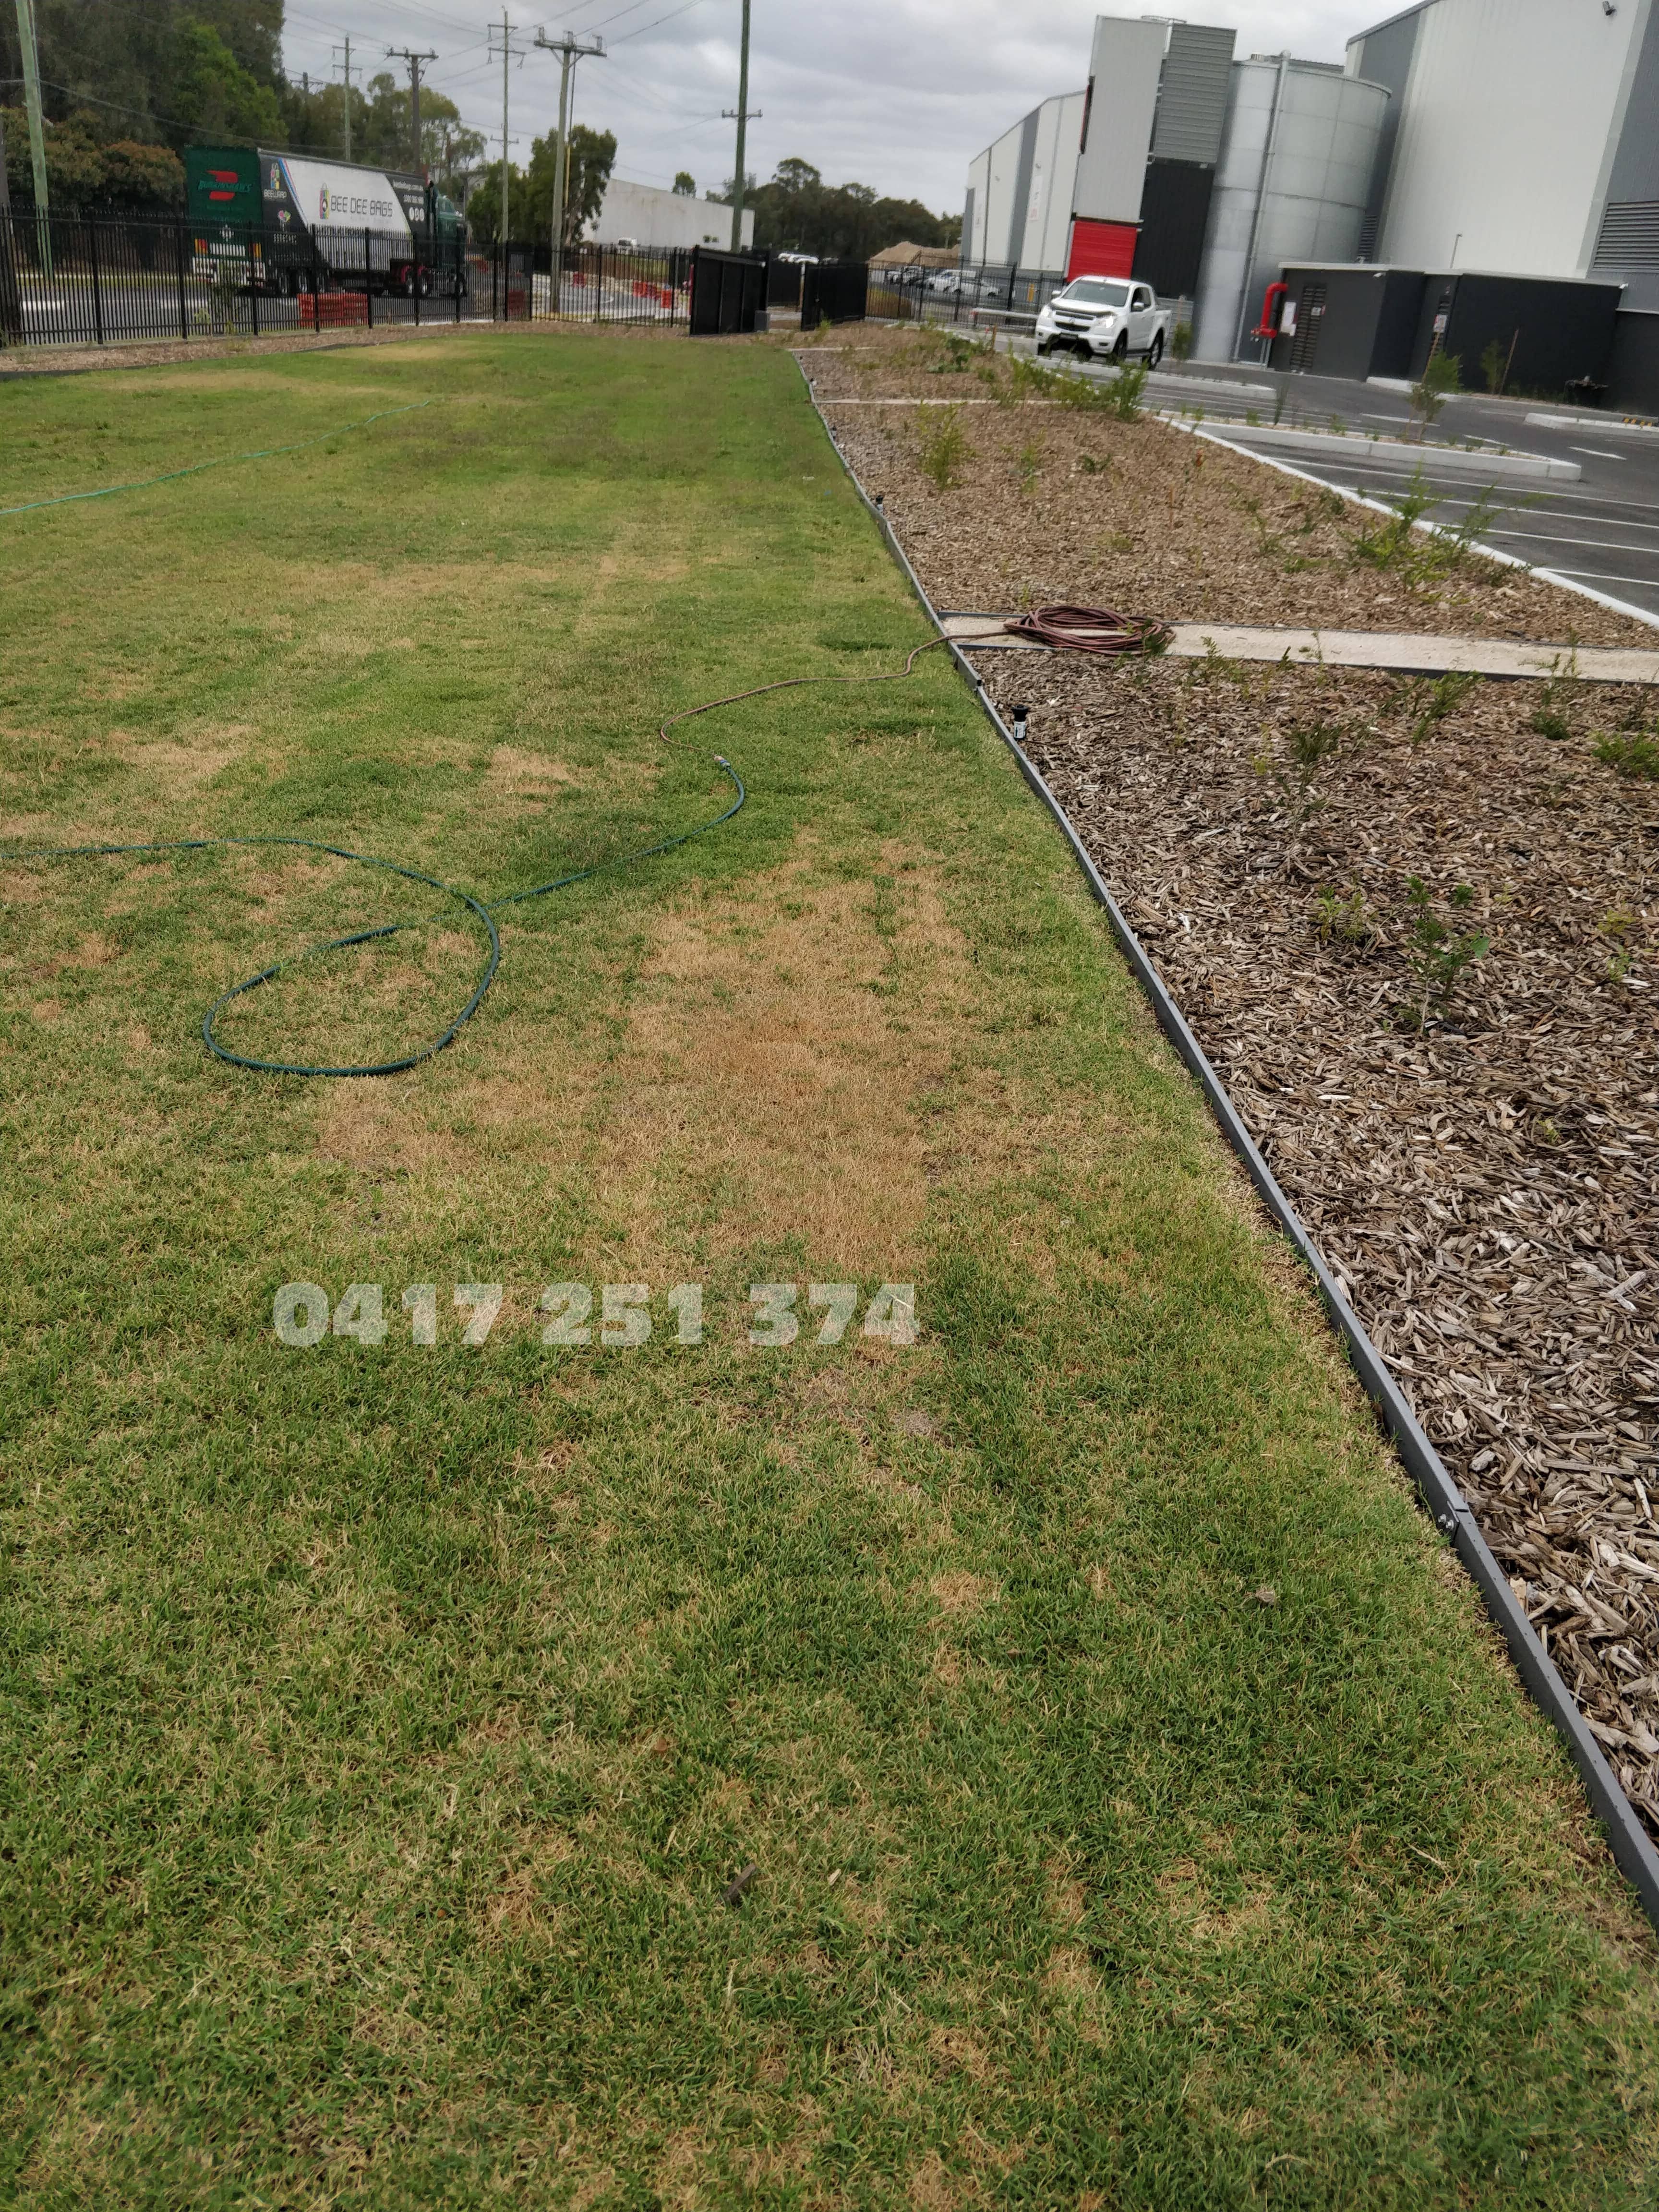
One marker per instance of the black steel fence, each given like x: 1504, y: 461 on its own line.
x: 984, y: 292
x: 107, y: 280
x: 103, y: 280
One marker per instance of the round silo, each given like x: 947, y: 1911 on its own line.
x: 1292, y: 184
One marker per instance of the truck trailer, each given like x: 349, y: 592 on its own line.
x: 280, y: 222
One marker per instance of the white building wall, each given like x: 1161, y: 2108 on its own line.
x: 1003, y: 211
x: 974, y: 206
x: 1054, y: 174
x: 659, y: 218
x: 1509, y: 110
x: 1124, y: 69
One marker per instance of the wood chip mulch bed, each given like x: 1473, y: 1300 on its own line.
x: 1478, y: 1170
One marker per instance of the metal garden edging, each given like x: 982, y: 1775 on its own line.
x: 1633, y: 1852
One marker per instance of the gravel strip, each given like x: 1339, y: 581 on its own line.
x: 1477, y: 1164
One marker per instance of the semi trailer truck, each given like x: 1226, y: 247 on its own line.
x: 280, y: 222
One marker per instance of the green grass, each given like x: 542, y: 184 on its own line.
x: 382, y: 1724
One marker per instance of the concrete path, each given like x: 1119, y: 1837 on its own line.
x: 1360, y: 648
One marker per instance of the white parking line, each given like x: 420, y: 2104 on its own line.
x: 1595, y: 455
x: 1600, y: 576
x: 1553, y: 538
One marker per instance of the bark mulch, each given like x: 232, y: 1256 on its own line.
x: 1477, y: 1161
x: 1058, y: 503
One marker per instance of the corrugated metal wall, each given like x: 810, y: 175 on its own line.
x: 1192, y: 99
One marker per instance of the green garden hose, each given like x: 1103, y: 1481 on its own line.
x: 482, y: 911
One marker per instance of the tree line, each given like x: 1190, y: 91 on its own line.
x: 198, y: 72
x: 798, y: 213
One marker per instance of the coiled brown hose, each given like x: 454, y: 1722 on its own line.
x: 1090, y: 629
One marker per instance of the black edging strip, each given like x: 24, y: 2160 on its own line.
x: 1633, y: 1852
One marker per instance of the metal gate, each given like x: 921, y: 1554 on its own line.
x: 727, y: 291
x: 833, y: 292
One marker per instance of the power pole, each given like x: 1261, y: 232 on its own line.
x: 345, y: 71
x: 26, y: 40
x: 509, y: 53
x: 743, y: 113
x: 11, y: 307
x: 570, y: 51
x: 407, y: 54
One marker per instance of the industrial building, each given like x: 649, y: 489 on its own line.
x: 646, y: 214
x: 1476, y: 169
x: 1114, y: 181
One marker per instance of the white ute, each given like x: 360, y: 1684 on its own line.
x: 1105, y: 316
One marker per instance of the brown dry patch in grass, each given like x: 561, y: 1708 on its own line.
x: 964, y: 1593
x: 609, y: 566
x: 762, y: 1071
x: 512, y: 773
x: 401, y: 1124
x: 1068, y: 1973
x: 516, y: 1909
x: 959, y: 2050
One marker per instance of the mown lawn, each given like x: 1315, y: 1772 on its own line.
x: 383, y: 1721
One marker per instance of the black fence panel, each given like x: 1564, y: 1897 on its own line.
x: 727, y: 291
x: 608, y: 284
x: 782, y: 281
x: 833, y: 292
x: 112, y: 280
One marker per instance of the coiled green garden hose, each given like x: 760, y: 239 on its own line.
x: 480, y: 910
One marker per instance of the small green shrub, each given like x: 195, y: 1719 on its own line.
x: 1635, y: 755
x: 1437, y: 951
x: 1123, y: 395
x: 1446, y: 694
x: 1442, y: 374
x: 943, y: 449
x: 1343, y: 918
x: 1180, y: 341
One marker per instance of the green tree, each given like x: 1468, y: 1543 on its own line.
x: 798, y: 212
x: 139, y: 176
x: 483, y: 206
x: 143, y: 72
x: 593, y: 156
x: 685, y: 185
x: 450, y: 153
x: 213, y: 96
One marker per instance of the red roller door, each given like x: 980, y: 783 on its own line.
x: 1101, y: 249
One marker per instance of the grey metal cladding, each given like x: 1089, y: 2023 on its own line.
x: 1385, y: 58
x: 1022, y: 206
x: 1192, y: 98
x: 1635, y: 175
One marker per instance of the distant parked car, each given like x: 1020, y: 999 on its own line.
x: 1105, y: 316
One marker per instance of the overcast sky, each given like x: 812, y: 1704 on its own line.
x: 897, y: 93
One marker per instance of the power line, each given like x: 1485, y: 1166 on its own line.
x: 668, y: 18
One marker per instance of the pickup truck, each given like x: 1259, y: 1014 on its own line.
x: 1105, y: 316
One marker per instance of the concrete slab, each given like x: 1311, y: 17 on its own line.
x: 1331, y: 444
x: 1355, y: 648
x: 1614, y: 426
